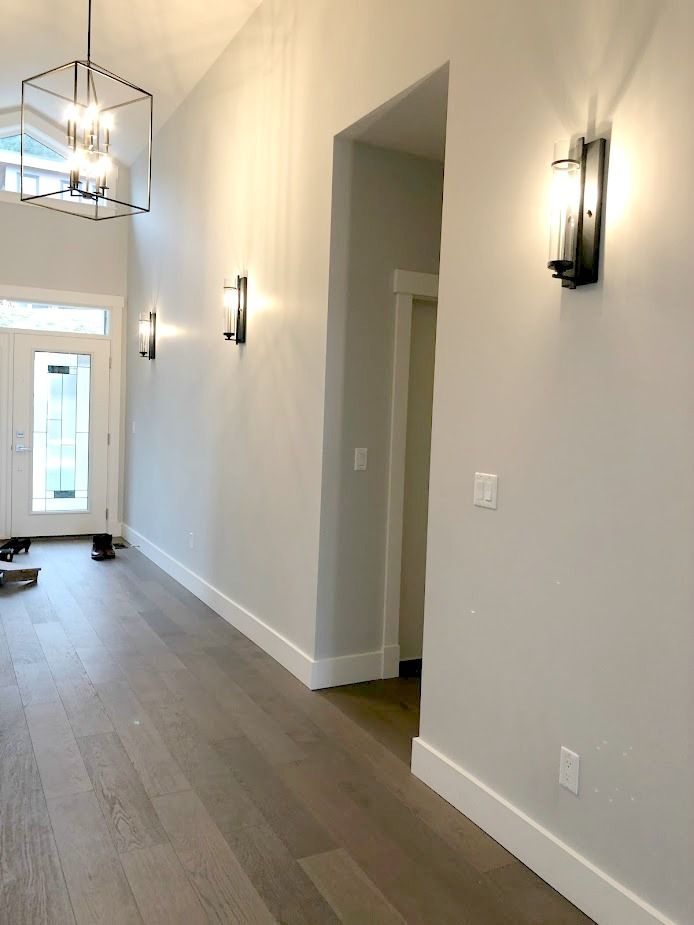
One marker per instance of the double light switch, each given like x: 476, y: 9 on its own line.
x: 485, y: 490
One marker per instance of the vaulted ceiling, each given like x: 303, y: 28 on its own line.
x: 164, y: 46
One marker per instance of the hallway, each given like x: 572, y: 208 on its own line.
x: 156, y: 766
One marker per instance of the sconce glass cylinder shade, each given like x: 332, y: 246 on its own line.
x: 565, y: 204
x: 235, y: 304
x: 147, y: 334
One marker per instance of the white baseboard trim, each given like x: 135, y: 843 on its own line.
x: 314, y: 673
x: 391, y: 662
x: 283, y: 650
x: 347, y: 669
x: 574, y: 876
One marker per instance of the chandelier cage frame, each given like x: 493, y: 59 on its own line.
x: 87, y: 82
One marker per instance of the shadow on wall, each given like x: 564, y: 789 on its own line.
x: 571, y: 81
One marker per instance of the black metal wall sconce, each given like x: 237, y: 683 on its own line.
x: 578, y: 191
x: 147, y: 335
x: 235, y: 309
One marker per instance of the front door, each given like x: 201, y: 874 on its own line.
x: 59, y: 435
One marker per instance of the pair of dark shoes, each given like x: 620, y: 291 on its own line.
x: 14, y: 545
x: 102, y: 547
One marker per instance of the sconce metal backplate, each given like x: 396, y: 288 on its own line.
x: 241, y: 310
x: 152, y: 335
x: 589, y: 229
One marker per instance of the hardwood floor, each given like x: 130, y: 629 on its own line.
x: 157, y: 767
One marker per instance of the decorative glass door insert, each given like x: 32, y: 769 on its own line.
x: 61, y: 432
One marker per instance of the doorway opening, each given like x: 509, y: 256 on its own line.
x: 386, y: 235
x: 60, y: 384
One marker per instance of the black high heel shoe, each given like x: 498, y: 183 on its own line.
x: 16, y: 544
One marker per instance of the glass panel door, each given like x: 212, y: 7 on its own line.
x: 59, y: 480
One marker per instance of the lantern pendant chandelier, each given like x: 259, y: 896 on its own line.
x: 100, y: 123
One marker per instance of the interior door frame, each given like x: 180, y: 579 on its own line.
x: 408, y: 287
x: 116, y: 306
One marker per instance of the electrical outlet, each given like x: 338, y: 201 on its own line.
x: 361, y: 459
x: 569, y: 766
x: 191, y: 541
x: 132, y: 428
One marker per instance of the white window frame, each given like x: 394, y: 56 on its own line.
x: 116, y: 307
x: 45, y: 132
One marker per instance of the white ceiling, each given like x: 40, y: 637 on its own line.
x: 413, y: 122
x: 164, y: 46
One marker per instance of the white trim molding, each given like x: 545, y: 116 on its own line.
x: 279, y: 647
x: 583, y: 883
x: 408, y: 286
x: 314, y: 673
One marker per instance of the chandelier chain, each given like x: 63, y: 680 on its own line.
x: 89, y: 33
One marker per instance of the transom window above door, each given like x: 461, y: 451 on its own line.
x: 64, y: 319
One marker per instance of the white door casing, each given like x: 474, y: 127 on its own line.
x: 43, y: 356
x: 115, y: 305
x: 407, y: 287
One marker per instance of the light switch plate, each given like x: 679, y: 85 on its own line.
x: 361, y: 458
x: 485, y: 490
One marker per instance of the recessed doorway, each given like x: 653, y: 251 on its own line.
x: 59, y: 415
x: 388, y: 181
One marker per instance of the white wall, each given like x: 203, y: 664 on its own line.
x: 392, y: 219
x: 48, y: 250
x: 581, y: 401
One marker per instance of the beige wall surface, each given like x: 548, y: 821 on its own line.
x: 49, y: 250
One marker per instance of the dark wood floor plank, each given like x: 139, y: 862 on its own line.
x: 38, y: 604
x: 532, y: 901
x: 152, y: 760
x: 214, y: 782
x: 161, y: 887
x: 349, y: 891
x: 124, y: 802
x: 22, y: 640
x: 18, y: 768
x: 7, y: 675
x: 100, y: 665
x: 222, y: 886
x: 36, y: 684
x: 420, y: 897
x: 214, y: 722
x: 283, y: 885
x: 224, y: 790
x: 254, y: 722
x: 250, y: 691
x: 98, y: 887
x: 32, y: 886
x: 57, y: 755
x: 84, y: 709
x: 288, y: 817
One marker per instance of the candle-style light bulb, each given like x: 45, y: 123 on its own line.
x: 106, y: 123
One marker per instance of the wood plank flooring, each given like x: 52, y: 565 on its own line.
x: 157, y: 767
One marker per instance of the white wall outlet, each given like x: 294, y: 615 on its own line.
x: 486, y: 487
x: 191, y: 541
x: 132, y: 428
x: 361, y: 458
x: 569, y: 766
